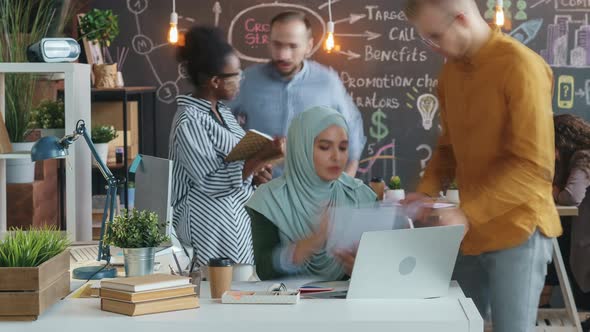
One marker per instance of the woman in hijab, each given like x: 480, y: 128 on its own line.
x: 289, y: 214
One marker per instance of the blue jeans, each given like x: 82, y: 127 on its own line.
x: 509, y: 282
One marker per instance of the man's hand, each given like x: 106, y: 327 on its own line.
x: 418, y: 206
x: 449, y: 217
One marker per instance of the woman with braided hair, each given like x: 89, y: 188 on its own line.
x: 572, y: 188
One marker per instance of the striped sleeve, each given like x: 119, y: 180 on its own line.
x: 209, y: 172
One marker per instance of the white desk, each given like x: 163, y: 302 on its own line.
x: 568, y: 319
x: 451, y: 314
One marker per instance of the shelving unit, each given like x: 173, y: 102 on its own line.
x: 78, y: 162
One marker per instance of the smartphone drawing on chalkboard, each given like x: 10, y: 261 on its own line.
x: 565, y: 99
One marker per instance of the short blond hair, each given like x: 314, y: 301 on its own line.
x: 412, y: 8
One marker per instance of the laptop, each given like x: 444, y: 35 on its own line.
x: 405, y: 263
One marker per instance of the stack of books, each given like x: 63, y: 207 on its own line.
x: 150, y: 294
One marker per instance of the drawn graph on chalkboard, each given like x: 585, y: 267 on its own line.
x: 387, y: 154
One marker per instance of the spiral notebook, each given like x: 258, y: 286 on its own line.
x: 248, y: 146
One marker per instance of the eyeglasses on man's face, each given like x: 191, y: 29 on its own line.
x: 433, y: 40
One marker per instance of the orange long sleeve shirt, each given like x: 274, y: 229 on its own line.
x: 498, y: 143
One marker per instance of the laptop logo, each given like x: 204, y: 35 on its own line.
x: 407, y: 265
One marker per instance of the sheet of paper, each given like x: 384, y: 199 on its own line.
x: 349, y: 224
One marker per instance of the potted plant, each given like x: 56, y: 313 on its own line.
x: 452, y: 193
x: 22, y: 23
x: 49, y: 117
x: 101, y: 136
x: 395, y: 192
x: 101, y: 27
x: 138, y: 233
x: 34, y: 269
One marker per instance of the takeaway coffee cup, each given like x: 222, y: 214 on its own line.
x: 220, y: 276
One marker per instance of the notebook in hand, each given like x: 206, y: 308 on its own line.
x: 248, y: 146
x: 145, y: 283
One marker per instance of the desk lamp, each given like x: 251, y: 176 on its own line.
x: 51, y: 147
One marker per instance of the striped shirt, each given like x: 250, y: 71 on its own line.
x: 209, y: 194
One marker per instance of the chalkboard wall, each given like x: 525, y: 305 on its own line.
x: 390, y: 74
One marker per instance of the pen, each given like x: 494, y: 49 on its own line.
x: 177, y: 263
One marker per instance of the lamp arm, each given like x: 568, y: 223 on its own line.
x: 112, y: 183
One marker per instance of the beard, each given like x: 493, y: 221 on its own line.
x: 290, y: 72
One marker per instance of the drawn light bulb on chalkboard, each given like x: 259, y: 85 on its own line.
x: 427, y: 106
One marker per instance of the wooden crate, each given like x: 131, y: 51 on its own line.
x: 25, y: 293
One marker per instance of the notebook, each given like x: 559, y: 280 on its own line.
x: 145, y: 283
x: 136, y: 297
x: 248, y: 146
x: 151, y: 307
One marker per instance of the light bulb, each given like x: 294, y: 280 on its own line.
x: 173, y: 32
x: 427, y: 106
x: 329, y: 46
x: 500, y: 13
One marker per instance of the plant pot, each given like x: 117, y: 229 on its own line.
x: 26, y: 292
x: 139, y: 261
x: 452, y: 195
x: 20, y: 170
x: 105, y: 76
x: 57, y: 132
x: 103, y: 151
x: 394, y: 195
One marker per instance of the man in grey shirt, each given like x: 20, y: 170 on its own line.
x: 272, y: 94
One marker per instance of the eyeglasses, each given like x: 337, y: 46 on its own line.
x: 430, y: 42
x: 240, y: 75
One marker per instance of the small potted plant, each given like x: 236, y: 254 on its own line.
x: 101, y: 136
x: 138, y: 233
x: 395, y: 192
x: 102, y: 27
x: 452, y: 193
x: 49, y: 117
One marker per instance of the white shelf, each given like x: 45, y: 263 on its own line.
x: 78, y: 210
x: 15, y: 155
x: 26, y: 67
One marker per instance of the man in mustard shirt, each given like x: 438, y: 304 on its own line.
x: 497, y: 141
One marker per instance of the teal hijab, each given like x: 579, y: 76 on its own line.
x: 294, y: 201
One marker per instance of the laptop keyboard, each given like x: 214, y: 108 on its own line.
x: 84, y: 254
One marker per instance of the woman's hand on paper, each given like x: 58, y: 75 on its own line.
x: 346, y: 257
x: 307, y: 247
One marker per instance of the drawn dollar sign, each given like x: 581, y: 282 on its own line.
x: 379, y: 130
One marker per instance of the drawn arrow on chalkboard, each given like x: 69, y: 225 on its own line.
x: 353, y: 18
x: 350, y: 54
x: 217, y: 12
x: 541, y: 2
x: 581, y: 93
x: 324, y: 5
x: 368, y: 34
